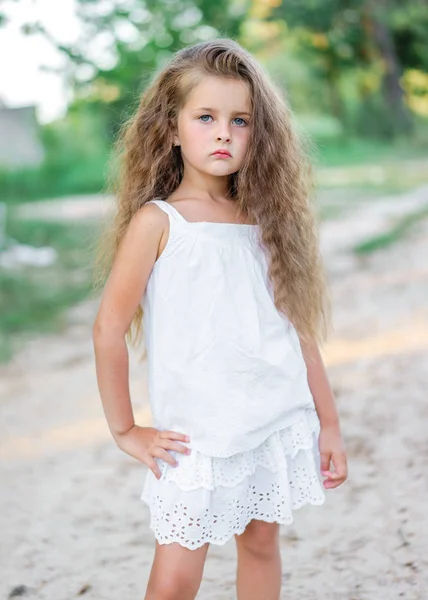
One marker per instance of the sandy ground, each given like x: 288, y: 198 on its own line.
x: 71, y: 519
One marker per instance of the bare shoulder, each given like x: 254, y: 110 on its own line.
x: 132, y: 265
x: 150, y: 216
x: 144, y: 232
x: 149, y: 229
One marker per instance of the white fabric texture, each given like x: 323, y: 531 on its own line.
x: 226, y: 368
x: 208, y: 499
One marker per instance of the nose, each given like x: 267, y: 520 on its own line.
x: 223, y: 133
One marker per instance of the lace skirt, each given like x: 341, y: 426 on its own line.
x: 209, y: 499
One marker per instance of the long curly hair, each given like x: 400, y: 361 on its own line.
x: 273, y: 187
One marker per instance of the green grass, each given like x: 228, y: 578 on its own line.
x: 372, y: 167
x: 393, y: 235
x: 342, y: 153
x: 374, y: 180
x: 34, y: 299
x: 85, y: 176
x: 344, y: 150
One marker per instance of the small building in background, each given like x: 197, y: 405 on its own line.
x: 20, y: 144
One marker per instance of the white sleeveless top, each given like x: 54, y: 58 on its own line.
x: 224, y: 365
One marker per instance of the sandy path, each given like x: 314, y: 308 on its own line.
x: 71, y: 519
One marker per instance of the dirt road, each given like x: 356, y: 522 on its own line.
x: 71, y: 519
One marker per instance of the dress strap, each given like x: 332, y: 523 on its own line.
x: 168, y: 209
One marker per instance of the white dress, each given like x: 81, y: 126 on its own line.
x: 224, y: 367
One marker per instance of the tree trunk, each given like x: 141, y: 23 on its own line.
x: 401, y: 121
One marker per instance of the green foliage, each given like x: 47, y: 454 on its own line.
x: 409, y: 25
x: 34, y: 299
x: 66, y: 238
x: 322, y: 128
x: 299, y: 79
x: 76, y: 151
x: 143, y: 35
x: 346, y: 150
x: 367, y: 38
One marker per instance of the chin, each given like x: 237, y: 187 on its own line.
x: 223, y: 167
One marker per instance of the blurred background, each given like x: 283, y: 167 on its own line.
x: 355, y: 72
x: 356, y: 75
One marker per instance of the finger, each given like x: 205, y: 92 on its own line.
x: 330, y: 484
x: 153, y: 466
x: 156, y: 473
x: 340, y: 466
x: 330, y: 474
x: 164, y: 455
x: 325, y: 460
x: 335, y: 475
x: 336, y: 478
x: 174, y: 435
x: 170, y: 445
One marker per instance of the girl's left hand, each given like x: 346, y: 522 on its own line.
x: 332, y: 449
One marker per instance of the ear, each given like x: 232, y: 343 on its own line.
x: 176, y: 141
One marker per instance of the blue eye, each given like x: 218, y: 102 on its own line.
x: 242, y: 123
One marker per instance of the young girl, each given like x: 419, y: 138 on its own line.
x: 215, y: 244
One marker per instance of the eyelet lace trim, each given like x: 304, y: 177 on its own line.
x: 201, y: 470
x: 208, y: 499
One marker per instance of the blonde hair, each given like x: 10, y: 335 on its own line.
x: 272, y: 187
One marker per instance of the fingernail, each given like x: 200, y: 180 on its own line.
x: 187, y: 438
x: 188, y: 451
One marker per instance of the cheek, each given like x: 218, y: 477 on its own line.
x: 195, y: 142
x: 195, y: 132
x: 242, y: 138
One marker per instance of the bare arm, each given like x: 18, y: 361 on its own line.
x: 122, y: 295
x: 319, y: 385
x: 330, y: 439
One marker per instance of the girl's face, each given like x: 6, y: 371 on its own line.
x: 216, y: 116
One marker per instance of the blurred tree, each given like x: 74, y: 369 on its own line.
x: 121, y: 45
x: 126, y: 41
x: 349, y: 34
x: 375, y: 19
x: 331, y: 30
x: 409, y: 26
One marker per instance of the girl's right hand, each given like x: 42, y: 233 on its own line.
x: 146, y: 443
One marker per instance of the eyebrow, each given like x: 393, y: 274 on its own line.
x: 236, y: 112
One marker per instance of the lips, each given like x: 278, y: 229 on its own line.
x: 222, y: 153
